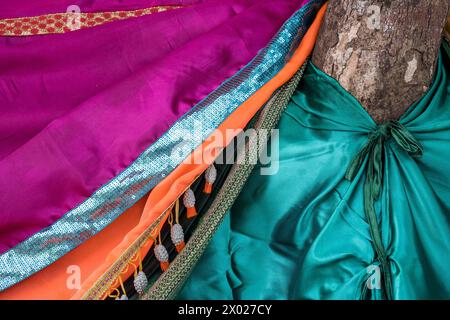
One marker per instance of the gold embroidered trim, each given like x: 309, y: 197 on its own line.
x: 69, y: 21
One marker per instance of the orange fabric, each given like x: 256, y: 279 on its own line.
x: 50, y: 283
x: 170, y: 189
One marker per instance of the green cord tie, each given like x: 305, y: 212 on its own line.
x: 373, y: 151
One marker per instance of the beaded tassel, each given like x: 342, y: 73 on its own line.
x: 160, y: 250
x: 210, y: 177
x: 163, y: 256
x: 189, y: 203
x: 176, y: 230
x: 140, y: 282
x: 177, y: 236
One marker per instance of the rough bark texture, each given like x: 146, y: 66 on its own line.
x: 383, y: 52
x: 447, y: 28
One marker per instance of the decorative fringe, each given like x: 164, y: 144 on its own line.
x: 140, y: 282
x: 210, y: 177
x: 189, y: 203
x: 176, y: 230
x: 177, y: 236
x: 163, y: 256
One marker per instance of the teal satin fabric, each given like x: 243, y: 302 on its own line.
x: 303, y: 233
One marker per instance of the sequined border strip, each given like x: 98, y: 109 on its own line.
x: 113, y: 198
x: 68, y: 21
x: 168, y: 284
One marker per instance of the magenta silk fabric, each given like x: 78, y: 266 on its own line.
x: 76, y: 109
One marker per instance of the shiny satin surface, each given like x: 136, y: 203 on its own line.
x: 302, y: 233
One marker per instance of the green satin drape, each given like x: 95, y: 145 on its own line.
x: 304, y: 233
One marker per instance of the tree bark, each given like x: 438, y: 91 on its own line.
x: 447, y: 28
x: 384, y: 52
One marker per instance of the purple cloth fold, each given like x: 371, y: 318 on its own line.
x: 78, y: 108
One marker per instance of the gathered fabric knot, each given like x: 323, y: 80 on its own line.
x: 383, y: 130
x: 373, y: 150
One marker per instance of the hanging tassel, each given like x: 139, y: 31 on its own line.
x: 163, y: 256
x: 210, y: 178
x: 176, y: 230
x: 140, y: 282
x: 160, y: 251
x: 177, y: 236
x: 189, y: 203
x: 122, y: 297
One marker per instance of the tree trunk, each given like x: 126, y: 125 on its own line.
x: 383, y: 52
x: 447, y: 28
